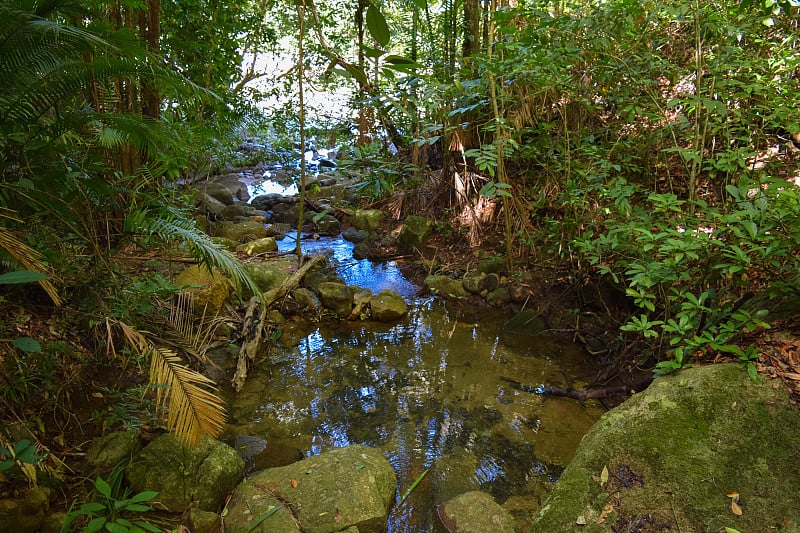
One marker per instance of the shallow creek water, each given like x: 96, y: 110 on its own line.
x: 429, y: 391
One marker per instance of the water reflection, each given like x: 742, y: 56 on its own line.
x: 428, y: 392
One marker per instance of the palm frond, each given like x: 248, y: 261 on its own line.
x: 171, y: 227
x: 28, y: 258
x: 191, y: 408
x: 194, y: 335
x: 186, y: 397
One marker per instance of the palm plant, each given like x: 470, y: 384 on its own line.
x: 86, y: 164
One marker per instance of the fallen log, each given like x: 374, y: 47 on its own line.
x: 598, y: 393
x: 255, y: 320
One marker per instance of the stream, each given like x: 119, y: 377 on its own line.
x: 429, y: 391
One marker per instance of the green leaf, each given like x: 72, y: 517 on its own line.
x: 27, y: 345
x: 91, y: 508
x: 95, y: 524
x: 377, y: 26
x: 21, y: 276
x: 144, y: 496
x: 115, y: 527
x: 137, y: 507
x: 147, y: 526
x: 372, y: 52
x: 103, y: 487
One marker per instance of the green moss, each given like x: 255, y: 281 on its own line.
x: 690, y: 438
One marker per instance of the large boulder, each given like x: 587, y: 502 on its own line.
x: 350, y: 487
x: 387, y: 306
x: 209, y: 289
x: 204, y: 474
x: 268, y: 275
x: 218, y: 191
x: 674, y: 457
x: 475, y: 512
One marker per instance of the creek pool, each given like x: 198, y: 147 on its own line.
x: 430, y: 391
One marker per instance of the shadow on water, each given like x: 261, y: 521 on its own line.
x: 429, y: 392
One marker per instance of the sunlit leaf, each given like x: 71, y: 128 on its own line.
x: 735, y: 508
x: 604, y: 476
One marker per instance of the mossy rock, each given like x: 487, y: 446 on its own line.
x: 258, y: 246
x: 209, y: 289
x: 349, y: 487
x: 204, y: 474
x: 240, y: 231
x: 336, y: 297
x: 25, y: 513
x: 445, y: 286
x: 415, y: 232
x: 670, y: 454
x: 367, y: 219
x: 387, y: 306
x: 475, y: 512
x: 108, y: 451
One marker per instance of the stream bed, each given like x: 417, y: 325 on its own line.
x: 430, y: 391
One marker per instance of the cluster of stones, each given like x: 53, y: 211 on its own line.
x: 242, y: 228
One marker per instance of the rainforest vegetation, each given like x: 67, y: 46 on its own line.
x: 647, y: 152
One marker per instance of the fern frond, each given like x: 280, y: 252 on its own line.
x: 191, y: 408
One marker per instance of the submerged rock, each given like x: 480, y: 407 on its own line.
x: 667, y: 459
x: 26, y: 513
x: 475, y: 512
x: 204, y: 474
x: 350, y: 487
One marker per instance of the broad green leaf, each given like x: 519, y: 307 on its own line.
x: 144, y: 496
x: 95, y: 524
x: 21, y: 276
x: 27, y: 345
x: 358, y: 74
x: 103, y: 487
x: 377, y: 26
x: 91, y: 508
